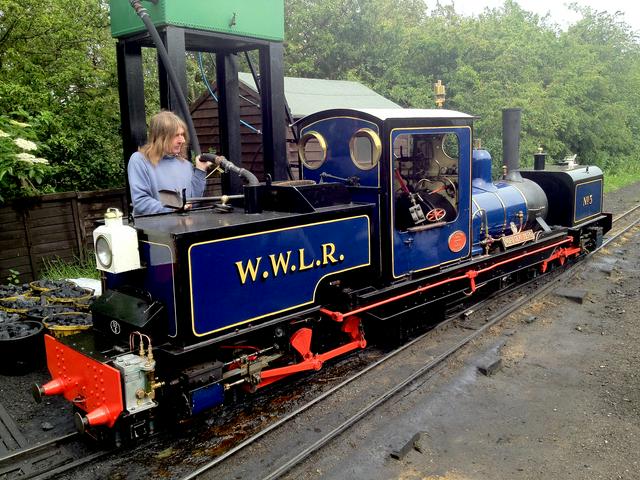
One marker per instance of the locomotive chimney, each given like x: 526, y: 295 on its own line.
x: 511, y: 138
x: 539, y: 159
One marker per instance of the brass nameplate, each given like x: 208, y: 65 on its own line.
x: 517, y: 238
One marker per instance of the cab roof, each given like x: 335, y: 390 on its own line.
x: 384, y: 114
x: 388, y: 113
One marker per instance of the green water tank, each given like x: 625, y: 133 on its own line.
x: 260, y: 19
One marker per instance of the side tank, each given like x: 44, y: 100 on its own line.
x: 498, y: 208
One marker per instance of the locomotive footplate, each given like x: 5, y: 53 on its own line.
x: 462, y: 280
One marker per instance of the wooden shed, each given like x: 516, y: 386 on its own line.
x: 304, y: 97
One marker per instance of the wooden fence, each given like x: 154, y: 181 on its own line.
x: 51, y: 226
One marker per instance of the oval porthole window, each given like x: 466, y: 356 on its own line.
x: 312, y: 150
x: 365, y: 148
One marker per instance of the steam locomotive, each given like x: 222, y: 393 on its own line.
x: 395, y: 218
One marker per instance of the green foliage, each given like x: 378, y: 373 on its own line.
x: 355, y: 40
x: 14, y: 277
x: 22, y: 172
x: 626, y: 175
x: 57, y: 269
x: 579, y: 88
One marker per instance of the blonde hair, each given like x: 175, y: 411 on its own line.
x: 163, y: 127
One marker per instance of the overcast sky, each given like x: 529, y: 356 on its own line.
x: 560, y: 14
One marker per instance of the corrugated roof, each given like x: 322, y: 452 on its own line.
x: 309, y: 95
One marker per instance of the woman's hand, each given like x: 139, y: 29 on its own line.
x: 203, y: 165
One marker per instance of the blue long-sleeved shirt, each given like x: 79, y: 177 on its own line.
x: 171, y: 173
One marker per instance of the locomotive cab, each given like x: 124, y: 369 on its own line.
x: 414, y: 165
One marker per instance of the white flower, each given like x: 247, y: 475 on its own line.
x: 25, y: 144
x: 19, y: 124
x: 4, y: 134
x: 27, y: 157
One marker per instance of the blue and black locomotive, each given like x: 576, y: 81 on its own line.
x: 394, y: 219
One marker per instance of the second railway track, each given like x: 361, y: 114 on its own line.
x: 48, y: 459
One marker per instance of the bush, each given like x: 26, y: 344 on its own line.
x: 22, y: 172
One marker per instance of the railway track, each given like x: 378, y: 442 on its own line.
x: 48, y: 459
x: 617, y: 218
x: 432, y: 362
x: 421, y: 358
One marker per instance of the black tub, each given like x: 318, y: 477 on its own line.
x: 21, y: 347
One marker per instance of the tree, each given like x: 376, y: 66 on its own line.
x: 58, y: 75
x: 578, y: 87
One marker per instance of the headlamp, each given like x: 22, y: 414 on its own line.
x: 104, y: 253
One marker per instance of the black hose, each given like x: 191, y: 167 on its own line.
x: 228, y: 166
x: 253, y: 72
x: 164, y: 56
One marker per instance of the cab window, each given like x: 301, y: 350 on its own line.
x: 365, y: 148
x: 312, y: 150
x: 425, y: 175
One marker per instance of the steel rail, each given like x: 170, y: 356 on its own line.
x: 628, y: 212
x: 251, y: 440
x: 40, y: 446
x: 336, y: 388
x: 392, y: 391
x: 290, y: 416
x: 615, y: 236
x: 17, y: 460
x: 70, y: 466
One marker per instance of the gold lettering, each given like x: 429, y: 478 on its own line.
x: 588, y: 200
x: 302, y: 265
x: 280, y: 262
x: 328, y: 249
x: 250, y: 269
